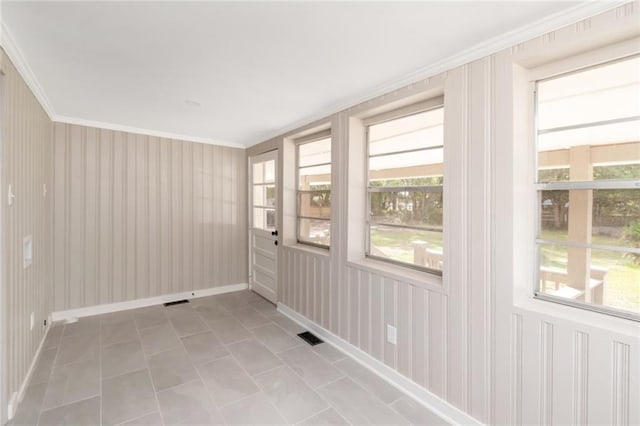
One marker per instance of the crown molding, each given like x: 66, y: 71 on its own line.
x: 141, y: 131
x: 475, y: 52
x: 14, y: 53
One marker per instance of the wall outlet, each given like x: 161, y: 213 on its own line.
x: 391, y: 334
x: 27, y: 251
x: 33, y: 320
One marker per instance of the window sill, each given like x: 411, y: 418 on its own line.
x: 617, y: 325
x: 421, y: 279
x: 309, y: 249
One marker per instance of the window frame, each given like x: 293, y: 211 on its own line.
x: 413, y: 109
x: 538, y: 187
x: 324, y: 134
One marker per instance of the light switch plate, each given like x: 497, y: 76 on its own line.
x: 391, y: 334
x: 27, y: 251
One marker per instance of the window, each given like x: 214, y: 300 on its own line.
x: 405, y: 178
x: 313, y: 175
x: 588, y: 186
x: 264, y: 195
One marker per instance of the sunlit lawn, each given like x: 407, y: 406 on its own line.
x: 623, y: 278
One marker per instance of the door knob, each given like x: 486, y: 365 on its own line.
x: 275, y: 242
x: 274, y: 233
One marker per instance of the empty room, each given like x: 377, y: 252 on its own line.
x: 319, y: 213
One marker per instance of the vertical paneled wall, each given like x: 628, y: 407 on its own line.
x: 139, y: 216
x: 26, y: 149
x: 474, y: 341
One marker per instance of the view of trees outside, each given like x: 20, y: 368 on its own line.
x: 589, y: 133
x: 405, y: 168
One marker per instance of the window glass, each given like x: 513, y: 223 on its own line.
x: 405, y: 178
x: 313, y: 205
x: 589, y: 235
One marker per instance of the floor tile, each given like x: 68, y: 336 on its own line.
x: 229, y: 330
x: 255, y: 410
x: 122, y: 358
x: 310, y: 366
x: 73, y: 382
x: 204, y: 347
x: 188, y: 323
x: 250, y: 318
x: 153, y: 419
x: 416, y: 413
x: 286, y: 324
x: 188, y: 404
x: 127, y: 396
x: 151, y: 316
x: 160, y: 338
x: 368, y: 380
x: 116, y: 317
x: 327, y: 417
x: 275, y: 338
x: 253, y: 356
x: 121, y: 331
x: 212, y: 312
x: 30, y: 407
x: 171, y: 368
x: 226, y: 381
x: 87, y: 326
x: 175, y: 310
x: 357, y: 405
x: 78, y: 348
x: 290, y: 395
x: 86, y: 412
x: 328, y: 352
x: 44, y: 366
x: 232, y: 301
x: 263, y: 306
x: 54, y: 335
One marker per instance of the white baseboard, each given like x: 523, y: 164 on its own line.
x: 142, y: 303
x: 17, y: 397
x: 434, y: 403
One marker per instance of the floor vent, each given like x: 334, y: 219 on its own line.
x: 177, y: 302
x: 310, y: 338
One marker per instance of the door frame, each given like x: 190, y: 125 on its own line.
x: 275, y: 155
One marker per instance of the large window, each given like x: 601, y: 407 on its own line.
x: 405, y: 178
x: 314, y: 190
x: 588, y: 184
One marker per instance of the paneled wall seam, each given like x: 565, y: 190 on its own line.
x: 620, y: 384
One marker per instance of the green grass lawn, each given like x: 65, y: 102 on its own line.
x: 623, y: 278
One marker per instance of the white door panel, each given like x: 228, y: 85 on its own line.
x: 263, y: 239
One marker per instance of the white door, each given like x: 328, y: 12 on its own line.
x: 263, y: 235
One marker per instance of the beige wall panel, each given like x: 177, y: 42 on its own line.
x: 135, y: 216
x: 419, y: 336
x: 404, y: 318
x: 377, y: 316
x: 438, y: 353
x: 353, y: 306
x: 390, y: 317
x: 26, y: 155
x: 364, y: 312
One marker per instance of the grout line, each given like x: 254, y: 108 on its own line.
x: 153, y: 386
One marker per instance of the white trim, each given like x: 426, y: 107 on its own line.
x: 141, y: 303
x: 478, y: 51
x: 141, y: 131
x: 17, y: 397
x: 434, y: 403
x: 14, y: 53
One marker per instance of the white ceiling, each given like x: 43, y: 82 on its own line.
x: 255, y: 68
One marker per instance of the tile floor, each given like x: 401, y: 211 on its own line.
x: 227, y: 359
